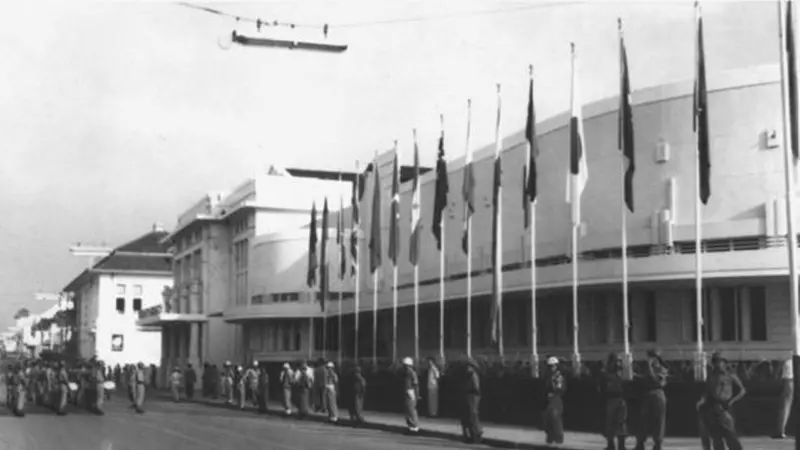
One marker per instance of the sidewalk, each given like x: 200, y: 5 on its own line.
x: 496, y: 435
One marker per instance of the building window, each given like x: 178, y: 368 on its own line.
x: 241, y: 250
x: 121, y: 305
x: 731, y: 314
x: 117, y: 342
x: 137, y: 304
x: 137, y: 290
x: 120, y: 290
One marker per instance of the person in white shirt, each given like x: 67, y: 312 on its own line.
x: 787, y: 394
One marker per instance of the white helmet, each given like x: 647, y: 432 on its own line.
x: 407, y: 361
x: 552, y: 361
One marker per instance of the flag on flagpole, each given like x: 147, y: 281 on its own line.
x: 340, y: 240
x: 701, y: 116
x: 526, y: 209
x: 355, y: 225
x: 578, y: 173
x: 323, y: 252
x: 394, y: 225
x: 375, y: 258
x: 468, y: 188
x: 533, y: 145
x: 497, y: 249
x: 416, y: 228
x: 440, y: 197
x: 626, y: 121
x: 311, y: 279
x: 791, y: 77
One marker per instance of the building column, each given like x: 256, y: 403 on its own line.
x: 194, y: 345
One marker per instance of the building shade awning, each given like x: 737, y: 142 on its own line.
x: 156, y: 317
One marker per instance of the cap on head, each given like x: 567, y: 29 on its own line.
x: 330, y: 364
x: 717, y: 356
x: 407, y: 361
x: 552, y: 361
x: 286, y: 366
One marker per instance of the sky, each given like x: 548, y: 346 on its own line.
x: 116, y: 115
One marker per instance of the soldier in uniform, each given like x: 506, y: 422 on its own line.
x: 130, y: 377
x: 62, y: 380
x: 715, y: 403
x: 286, y: 386
x: 99, y: 380
x: 410, y: 395
x: 240, y: 381
x: 331, y: 383
x: 470, y: 419
x: 175, y: 384
x: 555, y: 386
x: 613, y: 389
x: 140, y: 383
x: 227, y: 382
x: 654, y: 402
x: 251, y: 382
x: 359, y: 391
x: 263, y: 390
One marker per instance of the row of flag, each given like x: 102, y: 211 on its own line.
x: 577, y: 177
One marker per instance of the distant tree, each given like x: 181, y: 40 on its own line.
x: 22, y: 313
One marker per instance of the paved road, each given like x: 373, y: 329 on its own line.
x: 189, y: 426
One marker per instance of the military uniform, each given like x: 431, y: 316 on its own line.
x: 359, y: 391
x: 286, y: 387
x: 555, y: 386
x: 331, y: 386
x: 714, y: 408
x: 613, y: 388
x: 263, y: 390
x: 470, y: 418
x: 654, y: 404
x: 410, y: 395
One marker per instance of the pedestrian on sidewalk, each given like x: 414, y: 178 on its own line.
x: 470, y: 418
x: 331, y: 383
x: 786, y: 398
x: 263, y: 389
x: 318, y: 391
x: 359, y: 391
x: 175, y: 384
x: 240, y: 381
x: 139, y: 389
x: 206, y: 380
x: 555, y: 386
x: 287, y: 380
x: 654, y: 402
x: 251, y: 377
x: 433, y: 387
x: 227, y: 382
x: 613, y: 389
x: 99, y: 380
x: 63, y: 389
x: 717, y: 400
x: 305, y: 381
x: 189, y: 380
x: 411, y: 394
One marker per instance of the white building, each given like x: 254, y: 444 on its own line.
x: 217, y: 245
x: 109, y: 296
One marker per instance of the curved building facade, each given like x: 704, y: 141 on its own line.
x: 746, y: 302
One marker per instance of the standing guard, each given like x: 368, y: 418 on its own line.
x: 286, y: 385
x: 305, y: 381
x: 331, y: 380
x: 555, y: 386
x: 410, y: 394
x: 359, y: 391
x: 613, y: 389
x: 470, y: 419
x: 263, y: 390
x: 654, y: 402
x: 251, y: 379
x: 717, y: 400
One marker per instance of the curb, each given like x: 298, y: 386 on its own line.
x: 395, y: 429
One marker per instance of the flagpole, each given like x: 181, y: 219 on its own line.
x: 394, y: 314
x: 417, y: 188
x: 375, y: 296
x: 342, y: 254
x: 499, y: 232
x: 576, y: 206
x: 789, y: 179
x: 700, y: 366
x: 469, y: 250
x: 441, y: 275
x: 534, y: 328
x: 357, y: 265
x: 625, y: 300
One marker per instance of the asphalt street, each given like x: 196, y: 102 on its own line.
x: 167, y: 425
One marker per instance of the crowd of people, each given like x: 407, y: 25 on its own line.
x: 303, y: 388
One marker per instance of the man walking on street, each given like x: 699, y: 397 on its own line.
x: 189, y: 380
x: 786, y: 398
x: 470, y: 421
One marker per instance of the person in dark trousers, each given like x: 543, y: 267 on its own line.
x: 654, y: 402
x: 63, y: 389
x: 411, y: 395
x: 139, y: 390
x: 715, y: 403
x: 786, y: 398
x: 206, y: 380
x: 99, y: 380
x: 470, y: 419
x: 613, y: 389
x: 263, y: 389
x: 286, y: 380
x: 189, y: 380
x: 359, y: 391
x: 433, y: 376
x: 555, y: 386
x: 17, y: 388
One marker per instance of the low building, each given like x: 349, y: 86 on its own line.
x: 109, y: 296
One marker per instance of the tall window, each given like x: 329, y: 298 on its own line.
x: 730, y: 314
x: 240, y: 262
x: 137, y: 297
x: 120, y: 303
